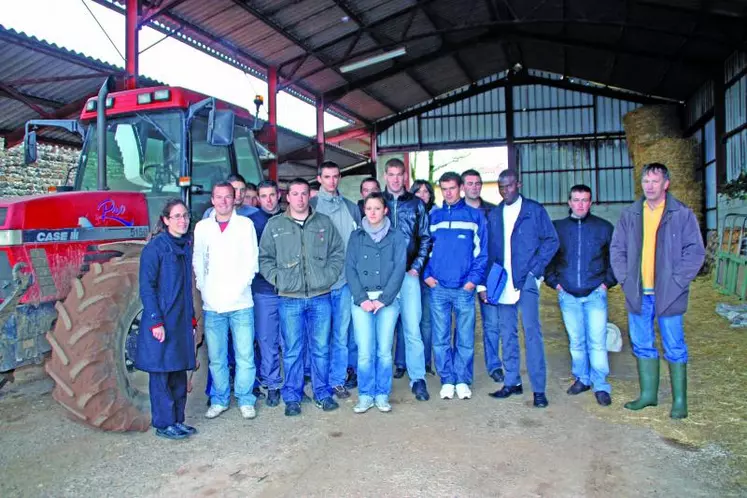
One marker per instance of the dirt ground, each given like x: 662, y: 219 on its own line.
x: 477, y: 447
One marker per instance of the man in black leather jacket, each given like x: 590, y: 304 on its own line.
x: 407, y: 214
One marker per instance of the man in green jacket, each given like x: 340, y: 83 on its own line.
x: 301, y: 254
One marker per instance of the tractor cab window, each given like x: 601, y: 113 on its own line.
x: 212, y: 164
x: 247, y: 157
x: 143, y: 154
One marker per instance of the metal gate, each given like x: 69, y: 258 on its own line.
x: 730, y: 276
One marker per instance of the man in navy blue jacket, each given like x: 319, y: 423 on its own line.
x: 456, y: 266
x: 266, y: 316
x: 521, y: 240
x: 581, y: 273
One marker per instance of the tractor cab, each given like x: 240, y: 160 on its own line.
x: 141, y: 147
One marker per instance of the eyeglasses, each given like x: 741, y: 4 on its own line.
x: 184, y: 216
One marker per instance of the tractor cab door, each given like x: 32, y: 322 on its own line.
x: 213, y: 164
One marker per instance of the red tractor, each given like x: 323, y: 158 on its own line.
x: 69, y: 260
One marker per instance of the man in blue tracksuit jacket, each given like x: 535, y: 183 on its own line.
x: 456, y: 266
x: 522, y: 240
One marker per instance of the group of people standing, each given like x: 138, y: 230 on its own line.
x: 327, y: 287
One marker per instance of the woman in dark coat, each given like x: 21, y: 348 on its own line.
x: 166, y: 343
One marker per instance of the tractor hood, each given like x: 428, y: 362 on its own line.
x: 73, y: 210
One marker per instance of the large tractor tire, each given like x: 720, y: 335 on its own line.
x: 89, y: 362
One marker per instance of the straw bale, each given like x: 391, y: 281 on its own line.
x: 646, y: 125
x: 680, y: 156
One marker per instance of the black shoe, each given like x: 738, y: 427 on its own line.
x: 429, y: 370
x: 420, y: 390
x: 497, y: 375
x: 327, y: 404
x: 603, y: 398
x: 171, y: 432
x: 540, y: 400
x: 351, y: 382
x: 341, y: 392
x: 399, y: 372
x: 273, y: 397
x: 506, y: 391
x: 305, y: 398
x: 208, y: 402
x: 186, y: 429
x: 257, y: 392
x: 578, y: 387
x: 292, y: 409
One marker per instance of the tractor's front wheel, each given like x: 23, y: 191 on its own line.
x: 92, y: 349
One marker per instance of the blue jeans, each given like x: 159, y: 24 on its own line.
x: 267, y: 331
x: 454, y: 361
x: 374, y: 334
x: 642, y: 334
x: 585, y: 320
x: 411, y: 312
x: 426, y: 332
x: 491, y: 337
x: 241, y: 326
x: 508, y: 322
x: 305, y: 321
x: 338, y: 347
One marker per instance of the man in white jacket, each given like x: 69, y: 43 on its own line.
x: 225, y: 262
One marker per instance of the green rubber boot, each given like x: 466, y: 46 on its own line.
x: 678, y: 374
x: 648, y: 377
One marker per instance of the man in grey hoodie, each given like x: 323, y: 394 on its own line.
x: 346, y: 218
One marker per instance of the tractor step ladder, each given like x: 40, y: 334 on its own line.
x: 730, y: 276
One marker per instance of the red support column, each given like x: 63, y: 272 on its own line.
x: 374, y: 152
x: 319, y: 131
x: 272, y: 113
x: 132, y: 20
x: 406, y: 160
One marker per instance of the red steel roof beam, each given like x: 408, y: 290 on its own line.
x: 132, y: 26
x: 272, y: 116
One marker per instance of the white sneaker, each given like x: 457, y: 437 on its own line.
x: 463, y: 391
x: 447, y: 391
x: 215, y: 410
x: 248, y: 411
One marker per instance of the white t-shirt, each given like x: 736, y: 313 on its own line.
x: 510, y: 294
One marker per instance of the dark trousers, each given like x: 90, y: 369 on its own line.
x: 168, y: 398
x: 508, y: 322
x: 267, y: 334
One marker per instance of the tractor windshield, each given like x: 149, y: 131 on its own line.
x: 143, y: 154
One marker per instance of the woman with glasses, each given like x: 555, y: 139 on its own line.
x: 375, y: 269
x: 166, y: 343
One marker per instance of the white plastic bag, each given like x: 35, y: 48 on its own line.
x: 614, y: 338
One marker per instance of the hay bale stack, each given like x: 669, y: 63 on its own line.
x: 648, y: 124
x: 653, y: 136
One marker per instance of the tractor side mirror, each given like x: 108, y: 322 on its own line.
x: 29, y: 148
x: 220, y: 127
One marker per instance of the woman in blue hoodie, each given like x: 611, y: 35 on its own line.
x: 375, y: 268
x: 166, y: 343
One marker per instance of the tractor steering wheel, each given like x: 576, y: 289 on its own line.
x: 161, y: 177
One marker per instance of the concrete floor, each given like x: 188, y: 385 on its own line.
x: 477, y: 447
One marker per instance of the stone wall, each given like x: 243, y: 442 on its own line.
x: 16, y: 178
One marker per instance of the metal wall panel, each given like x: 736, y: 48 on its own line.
x: 610, y: 112
x: 734, y: 65
x: 699, y: 104
x: 544, y: 111
x: 736, y: 104
x: 736, y: 155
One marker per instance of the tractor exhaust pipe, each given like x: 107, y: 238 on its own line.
x: 107, y: 87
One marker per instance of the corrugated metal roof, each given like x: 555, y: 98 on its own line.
x: 25, y: 58
x: 655, y: 48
